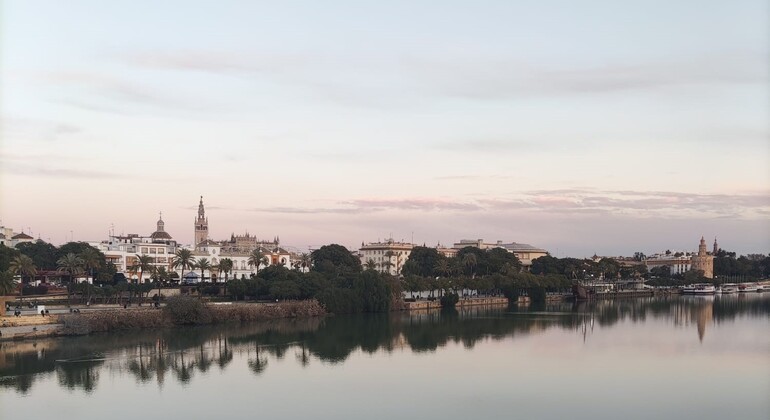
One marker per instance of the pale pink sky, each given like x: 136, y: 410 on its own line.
x: 602, y: 129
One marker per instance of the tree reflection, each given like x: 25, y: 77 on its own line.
x: 148, y: 355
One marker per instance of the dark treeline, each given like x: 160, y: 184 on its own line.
x: 182, y: 353
x: 492, y: 272
x: 336, y: 280
x: 726, y: 264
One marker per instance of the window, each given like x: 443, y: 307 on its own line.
x: 153, y: 250
x: 144, y: 250
x: 161, y: 251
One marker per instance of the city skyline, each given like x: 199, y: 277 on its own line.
x: 600, y: 128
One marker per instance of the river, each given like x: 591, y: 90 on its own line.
x: 662, y: 358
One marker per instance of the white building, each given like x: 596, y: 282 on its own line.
x: 387, y: 257
x: 123, y: 251
x: 677, y: 263
x: 238, y: 249
x: 10, y: 238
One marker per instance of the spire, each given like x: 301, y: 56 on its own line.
x: 160, y: 223
x: 201, y: 211
x: 716, y: 246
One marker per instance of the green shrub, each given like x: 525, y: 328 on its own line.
x: 186, y: 310
x: 449, y: 300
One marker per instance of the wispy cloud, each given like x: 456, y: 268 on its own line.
x: 496, y: 78
x: 35, y: 130
x: 561, y: 201
x: 46, y: 169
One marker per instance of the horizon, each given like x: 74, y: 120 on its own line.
x: 602, y: 128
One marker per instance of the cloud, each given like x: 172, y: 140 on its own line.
x: 422, y: 204
x: 108, y: 93
x: 504, y: 78
x: 486, y: 146
x: 42, y: 169
x: 36, y: 130
x: 578, y: 202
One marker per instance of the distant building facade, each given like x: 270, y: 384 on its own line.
x: 388, y: 256
x: 10, y: 238
x: 238, y: 249
x: 682, y: 262
x: 123, y: 251
x: 677, y: 263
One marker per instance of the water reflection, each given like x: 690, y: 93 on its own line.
x: 153, y: 356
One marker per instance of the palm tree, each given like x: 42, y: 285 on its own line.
x: 370, y: 264
x: 390, y: 254
x: 23, y: 265
x: 183, y: 258
x: 203, y: 264
x: 442, y: 267
x: 161, y: 275
x: 305, y: 260
x: 143, y: 263
x: 257, y: 258
x: 91, y: 260
x: 71, y: 265
x: 226, y: 266
x: 470, y: 261
x: 6, y: 283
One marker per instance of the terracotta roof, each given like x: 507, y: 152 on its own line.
x: 22, y: 236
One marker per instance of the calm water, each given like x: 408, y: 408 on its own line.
x: 676, y: 358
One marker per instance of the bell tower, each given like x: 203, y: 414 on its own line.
x: 201, y: 225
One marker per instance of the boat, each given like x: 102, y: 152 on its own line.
x: 747, y: 287
x: 688, y: 290
x: 704, y: 289
x: 729, y: 288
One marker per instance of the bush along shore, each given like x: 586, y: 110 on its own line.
x: 186, y: 310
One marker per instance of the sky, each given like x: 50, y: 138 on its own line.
x: 580, y: 127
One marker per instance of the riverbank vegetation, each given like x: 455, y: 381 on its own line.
x: 186, y: 310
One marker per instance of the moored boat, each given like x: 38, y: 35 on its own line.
x: 704, y: 289
x: 729, y: 288
x: 748, y: 287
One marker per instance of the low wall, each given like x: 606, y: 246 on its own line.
x: 436, y: 304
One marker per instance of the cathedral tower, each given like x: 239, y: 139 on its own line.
x: 201, y: 225
x: 716, y: 248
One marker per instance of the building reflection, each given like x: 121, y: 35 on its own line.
x: 183, y: 353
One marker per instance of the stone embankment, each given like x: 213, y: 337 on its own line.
x: 436, y: 304
x: 36, y: 326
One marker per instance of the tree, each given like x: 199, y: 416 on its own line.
x: 161, y: 276
x: 498, y: 260
x: 43, y: 254
x: 183, y: 259
x: 442, y: 267
x: 6, y: 255
x: 6, y: 283
x: 470, y: 261
x: 226, y: 266
x: 422, y: 261
x: 257, y: 258
x: 546, y: 264
x: 203, y: 264
x: 335, y: 260
x: 23, y: 265
x: 143, y: 263
x: 91, y: 260
x: 370, y: 264
x: 71, y: 265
